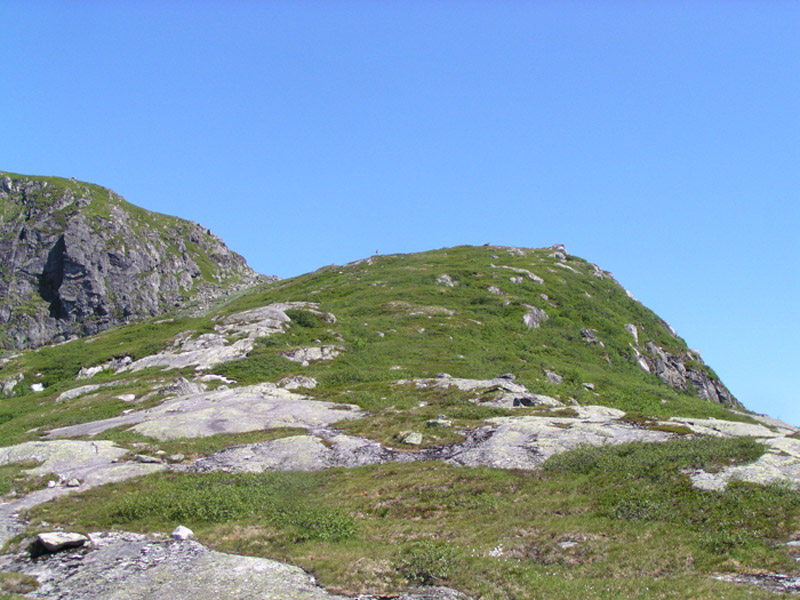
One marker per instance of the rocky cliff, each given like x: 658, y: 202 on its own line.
x: 76, y: 259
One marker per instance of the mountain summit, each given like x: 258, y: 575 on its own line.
x: 77, y: 259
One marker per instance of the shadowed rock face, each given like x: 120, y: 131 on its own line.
x: 77, y: 259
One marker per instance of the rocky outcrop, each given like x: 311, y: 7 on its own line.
x: 129, y: 565
x: 239, y: 410
x: 501, y: 391
x: 76, y: 259
x: 676, y: 373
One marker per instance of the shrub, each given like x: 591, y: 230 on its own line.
x: 427, y: 561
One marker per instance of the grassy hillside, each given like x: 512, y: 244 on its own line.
x: 609, y: 522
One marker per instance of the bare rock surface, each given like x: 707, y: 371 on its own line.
x: 209, y: 349
x: 534, y: 317
x: 251, y: 408
x: 131, y: 566
x: 90, y: 463
x: 506, y: 392
x: 526, y: 272
x: 525, y: 442
x: 507, y: 443
x: 675, y: 372
x: 301, y: 453
x: 305, y: 356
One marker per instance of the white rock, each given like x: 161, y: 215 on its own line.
x: 181, y: 533
x: 60, y: 540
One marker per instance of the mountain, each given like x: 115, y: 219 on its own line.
x: 77, y: 259
x: 471, y: 422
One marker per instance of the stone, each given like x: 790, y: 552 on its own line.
x: 493, y: 289
x: 412, y: 438
x: 501, y: 392
x: 526, y: 272
x: 439, y: 421
x: 176, y: 458
x: 181, y: 533
x: 7, y: 387
x: 588, y: 386
x: 59, y: 540
x: 144, y: 458
x: 74, y: 482
x: 37, y: 387
x: 305, y: 356
x: 631, y: 328
x: 552, y: 376
x: 209, y: 349
x: 115, y: 364
x: 296, y: 382
x: 446, y: 280
x: 534, y: 317
x: 590, y: 337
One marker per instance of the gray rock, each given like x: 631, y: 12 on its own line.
x: 305, y: 356
x: 631, y: 328
x: 60, y: 540
x: 92, y: 463
x: 296, y: 382
x: 131, y: 566
x: 114, y: 364
x: 144, y: 458
x: 250, y: 408
x: 534, y: 317
x: 502, y: 391
x: 440, y: 421
x: 7, y: 386
x: 446, y: 280
x: 590, y: 337
x: 673, y: 371
x: 552, y: 376
x: 83, y: 271
x: 210, y: 349
x: 181, y: 533
x: 526, y: 272
x: 412, y: 438
x: 493, y: 289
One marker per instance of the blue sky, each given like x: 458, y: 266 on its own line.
x: 660, y: 140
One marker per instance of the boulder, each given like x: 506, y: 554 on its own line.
x: 56, y: 541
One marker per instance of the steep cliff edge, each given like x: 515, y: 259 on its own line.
x: 76, y: 259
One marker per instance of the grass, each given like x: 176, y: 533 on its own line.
x: 15, y: 482
x: 13, y: 585
x: 621, y: 521
x: 595, y: 522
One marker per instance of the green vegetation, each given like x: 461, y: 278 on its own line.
x: 611, y: 522
x: 15, y: 482
x: 595, y: 522
x: 13, y: 585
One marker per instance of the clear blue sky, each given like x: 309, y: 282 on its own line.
x: 660, y: 140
